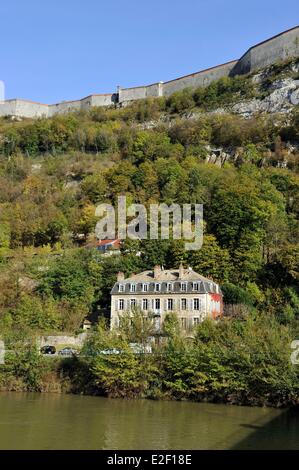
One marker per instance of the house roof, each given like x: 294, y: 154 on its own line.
x: 168, y: 275
x: 115, y: 242
x: 164, y: 276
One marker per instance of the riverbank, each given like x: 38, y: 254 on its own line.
x: 239, y: 361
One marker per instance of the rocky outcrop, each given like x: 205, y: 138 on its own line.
x: 282, y: 96
x: 218, y: 156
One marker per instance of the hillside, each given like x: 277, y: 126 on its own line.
x: 233, y: 146
x: 154, y: 149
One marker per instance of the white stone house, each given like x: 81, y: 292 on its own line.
x: 183, y: 291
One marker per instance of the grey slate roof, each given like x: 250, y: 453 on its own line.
x: 168, y: 276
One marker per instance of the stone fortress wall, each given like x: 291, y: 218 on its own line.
x: 280, y: 47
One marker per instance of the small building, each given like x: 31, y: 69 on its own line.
x: 108, y: 246
x: 86, y: 325
x: 190, y: 295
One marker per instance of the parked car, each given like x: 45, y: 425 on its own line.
x: 110, y: 351
x: 67, y: 352
x: 48, y: 349
x: 141, y: 348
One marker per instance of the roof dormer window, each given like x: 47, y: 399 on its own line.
x: 121, y: 288
x: 196, y: 286
x: 184, y: 286
x: 133, y: 288
x: 157, y: 287
x: 144, y: 287
x: 169, y: 286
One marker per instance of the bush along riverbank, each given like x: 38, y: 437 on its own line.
x: 237, y: 361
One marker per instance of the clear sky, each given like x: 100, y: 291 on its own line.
x: 53, y: 50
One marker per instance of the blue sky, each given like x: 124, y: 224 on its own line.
x: 59, y: 50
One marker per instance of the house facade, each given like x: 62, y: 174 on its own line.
x: 158, y: 292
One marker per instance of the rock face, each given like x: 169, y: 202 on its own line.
x: 218, y: 156
x: 283, y: 95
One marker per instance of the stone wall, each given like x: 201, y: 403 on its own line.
x: 198, y: 79
x: 31, y: 109
x: 281, y: 47
x: 62, y: 340
x: 130, y: 94
x: 24, y: 108
x: 277, y: 48
x: 103, y: 100
x: 8, y: 108
x: 140, y: 92
x: 83, y: 104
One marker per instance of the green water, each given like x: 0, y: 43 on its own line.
x: 49, y: 421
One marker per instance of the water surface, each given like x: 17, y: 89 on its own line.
x: 50, y: 421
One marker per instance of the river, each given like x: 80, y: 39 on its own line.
x: 50, y: 421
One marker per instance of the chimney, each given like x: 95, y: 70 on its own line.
x: 181, y: 271
x: 120, y: 276
x: 157, y: 271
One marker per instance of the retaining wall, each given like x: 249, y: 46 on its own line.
x: 56, y: 340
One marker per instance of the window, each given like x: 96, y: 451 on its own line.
x: 133, y: 302
x: 196, y: 286
x: 121, y: 288
x: 196, y: 321
x: 184, y: 304
x: 197, y: 304
x: 157, y: 287
x: 133, y: 288
x: 157, y: 304
x: 184, y: 286
x: 121, y: 304
x: 184, y: 322
x: 169, y: 304
x: 144, y: 287
x: 169, y: 287
x: 144, y: 304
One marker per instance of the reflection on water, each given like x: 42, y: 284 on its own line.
x: 49, y: 421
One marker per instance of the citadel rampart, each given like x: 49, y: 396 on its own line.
x: 280, y: 47
x: 198, y: 79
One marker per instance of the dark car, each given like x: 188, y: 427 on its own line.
x: 48, y: 350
